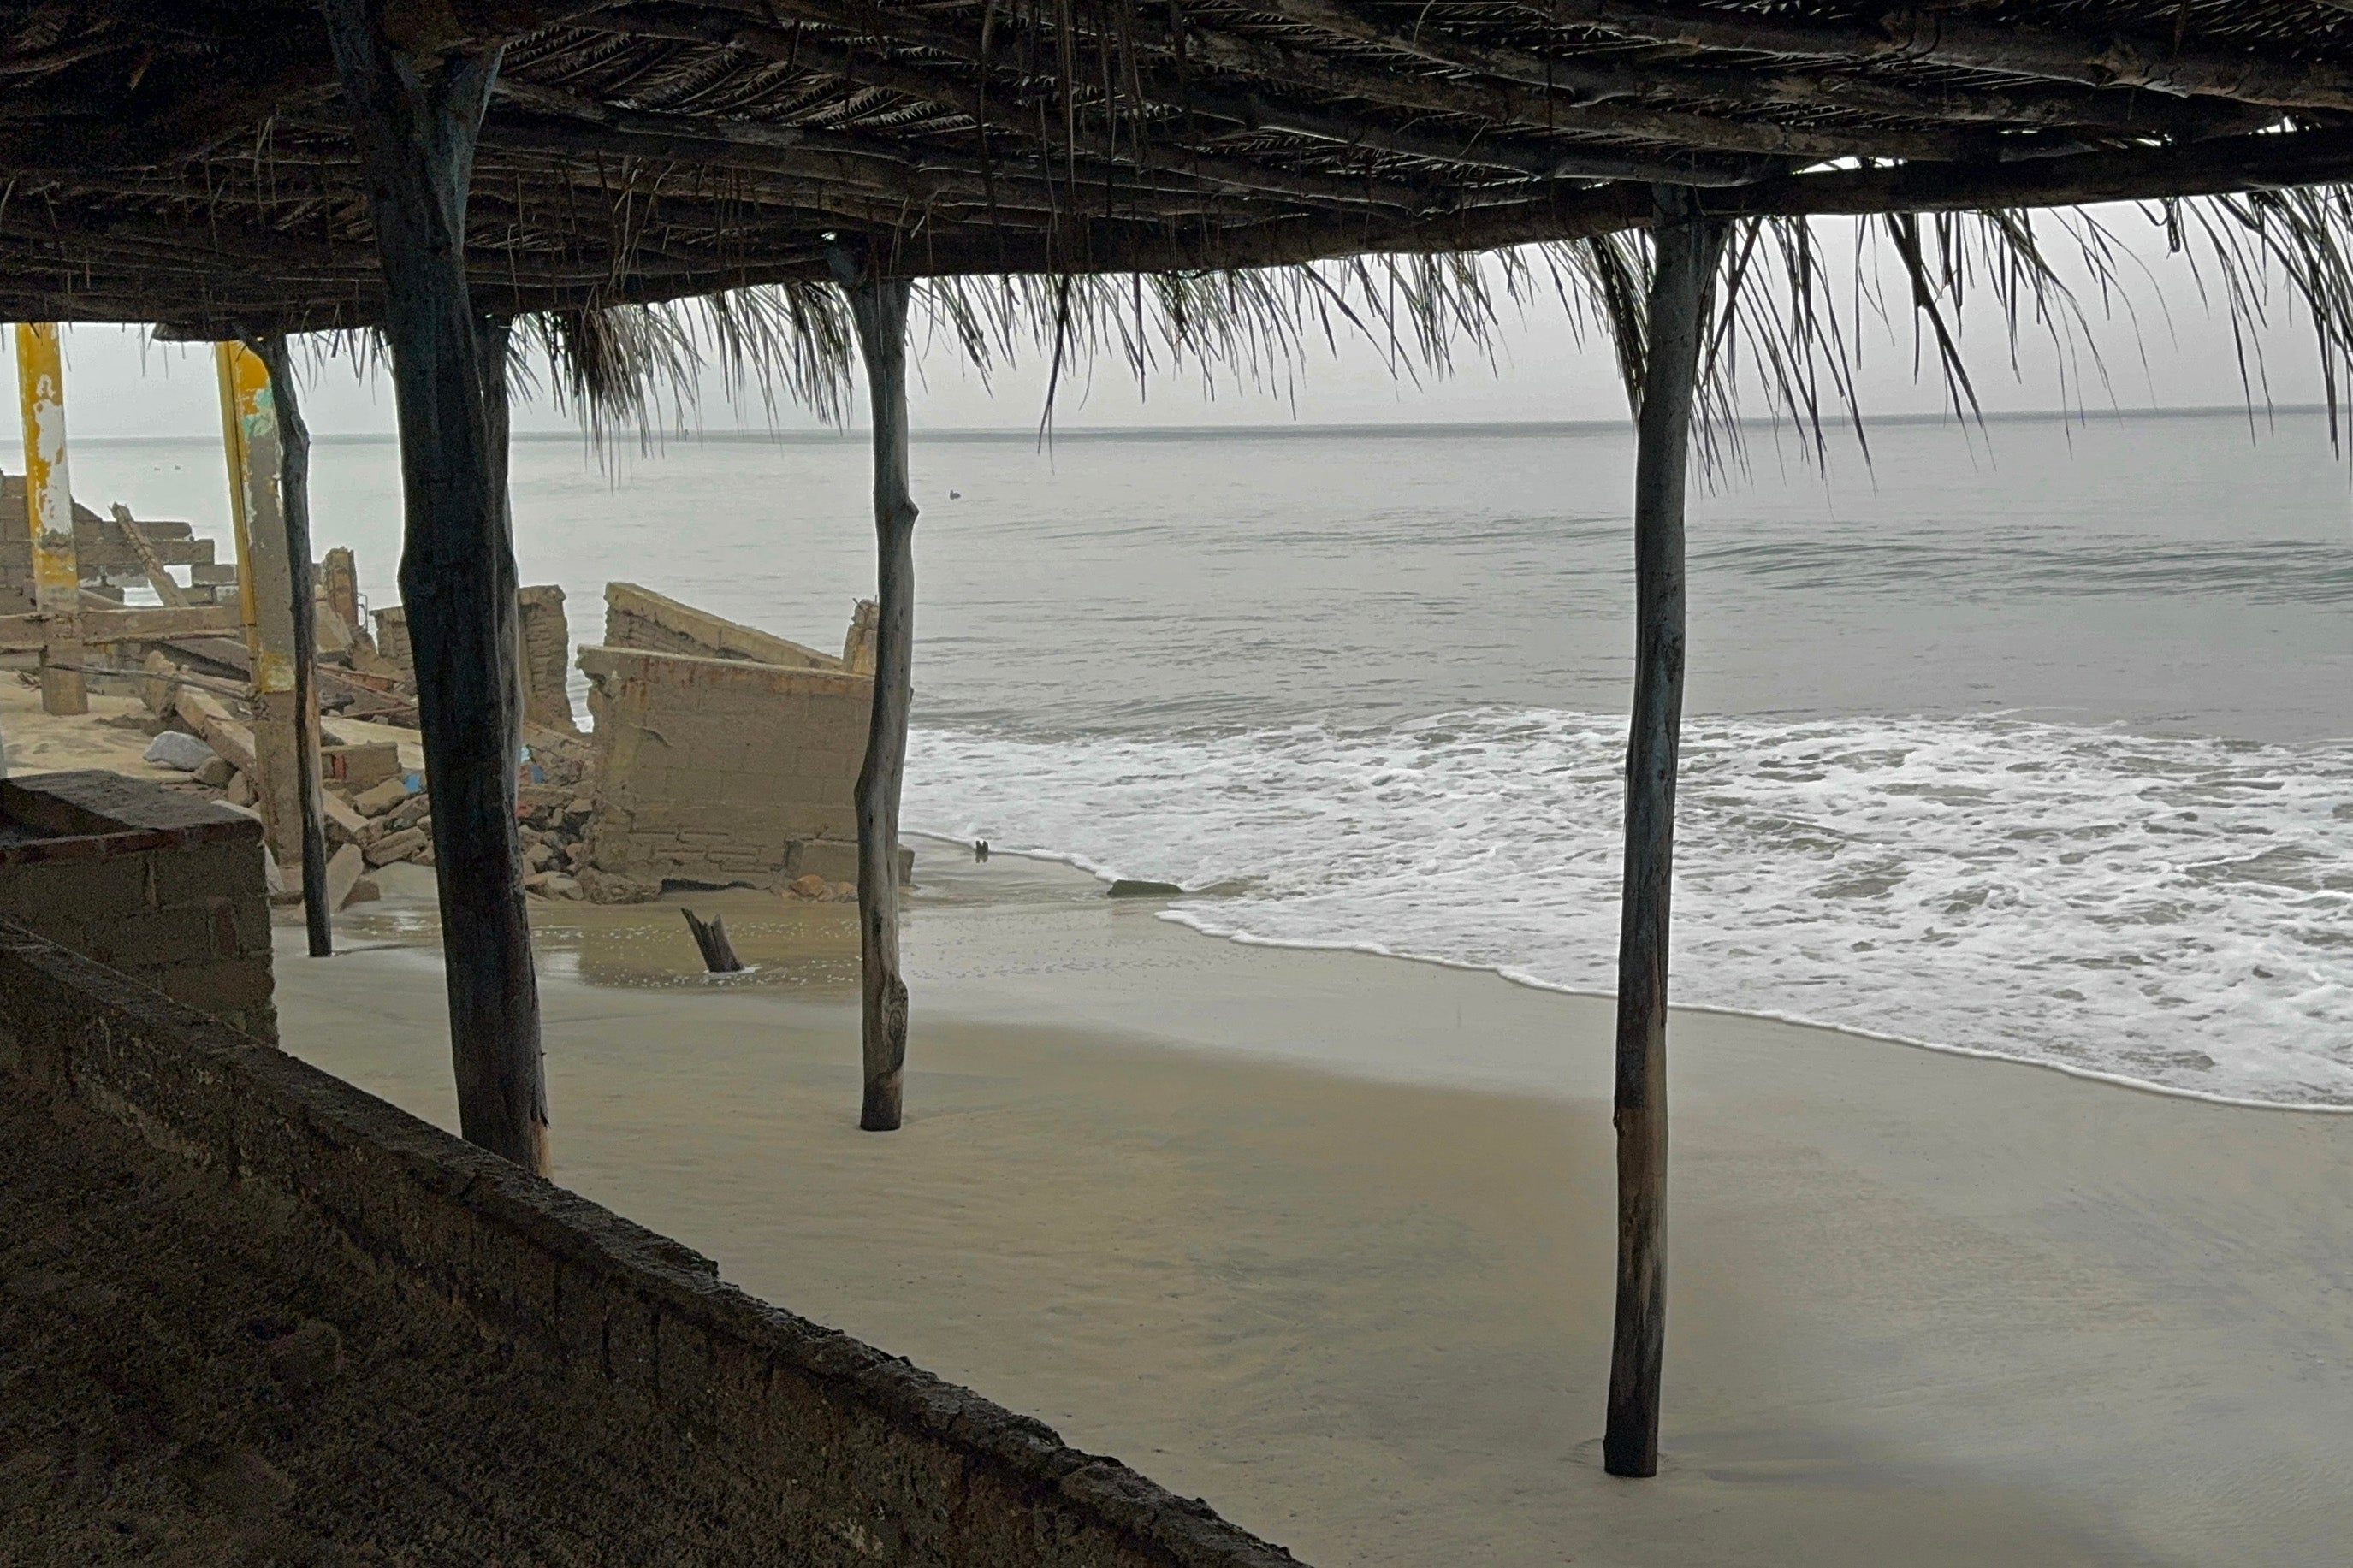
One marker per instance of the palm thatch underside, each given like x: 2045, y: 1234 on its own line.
x: 1214, y: 181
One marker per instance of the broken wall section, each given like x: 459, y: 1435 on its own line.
x: 640, y: 618
x: 723, y: 770
x: 547, y: 655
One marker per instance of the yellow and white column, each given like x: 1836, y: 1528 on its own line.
x: 265, y: 591
x: 49, y: 506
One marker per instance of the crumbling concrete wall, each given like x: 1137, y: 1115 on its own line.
x: 101, y: 549
x: 718, y: 771
x: 819, y: 1451
x: 640, y: 618
x: 547, y: 658
x: 546, y: 654
x: 165, y: 887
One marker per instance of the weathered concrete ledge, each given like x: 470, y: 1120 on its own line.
x: 859, y: 1457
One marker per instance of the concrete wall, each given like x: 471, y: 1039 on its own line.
x: 165, y: 887
x: 101, y: 549
x: 547, y: 658
x: 640, y: 618
x: 835, y: 1454
x: 547, y: 653
x: 714, y: 770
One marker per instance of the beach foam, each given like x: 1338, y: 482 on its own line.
x: 2172, y: 911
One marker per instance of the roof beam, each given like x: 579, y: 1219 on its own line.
x: 1924, y: 36
x: 971, y: 101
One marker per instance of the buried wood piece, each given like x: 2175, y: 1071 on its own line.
x: 1688, y: 248
x: 711, y: 936
x: 415, y: 118
x: 878, y: 305
x: 294, y: 507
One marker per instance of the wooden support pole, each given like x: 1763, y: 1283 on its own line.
x: 878, y: 306
x: 1688, y: 249
x: 265, y: 587
x: 416, y: 99
x: 294, y: 506
x: 49, y: 506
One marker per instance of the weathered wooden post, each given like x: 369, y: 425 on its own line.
x: 416, y: 86
x: 49, y: 506
x: 1688, y: 248
x: 265, y: 578
x: 878, y: 305
x: 294, y: 507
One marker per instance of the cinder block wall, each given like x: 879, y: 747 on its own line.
x: 846, y: 1457
x: 640, y: 618
x: 165, y: 887
x: 714, y: 770
x: 547, y: 657
x: 547, y: 652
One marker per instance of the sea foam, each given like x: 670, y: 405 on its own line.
x: 2176, y: 913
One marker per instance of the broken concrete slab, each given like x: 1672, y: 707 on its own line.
x: 344, y: 868
x: 380, y: 798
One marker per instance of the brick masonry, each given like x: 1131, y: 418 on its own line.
x: 99, y: 547
x: 166, y: 888
x: 852, y: 1456
x: 723, y: 770
x: 547, y: 653
x: 640, y: 618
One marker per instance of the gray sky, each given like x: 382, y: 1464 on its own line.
x: 121, y: 385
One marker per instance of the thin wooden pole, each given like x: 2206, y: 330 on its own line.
x: 1688, y: 248
x: 294, y: 505
x: 48, y: 507
x: 265, y: 576
x: 416, y: 108
x: 878, y: 305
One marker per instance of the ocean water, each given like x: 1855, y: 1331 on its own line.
x: 2034, y: 739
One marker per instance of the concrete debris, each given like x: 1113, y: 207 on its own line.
x: 401, y: 846
x: 377, y: 799
x: 176, y: 749
x: 344, y: 868
x: 721, y: 754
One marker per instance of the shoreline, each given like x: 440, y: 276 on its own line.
x: 1327, y: 1240
x: 1516, y: 977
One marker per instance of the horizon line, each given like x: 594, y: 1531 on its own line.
x: 819, y: 435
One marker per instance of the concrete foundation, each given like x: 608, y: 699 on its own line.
x: 165, y: 887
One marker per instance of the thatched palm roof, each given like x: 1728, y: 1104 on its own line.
x: 188, y: 160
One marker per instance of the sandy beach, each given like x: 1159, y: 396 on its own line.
x: 1325, y: 1238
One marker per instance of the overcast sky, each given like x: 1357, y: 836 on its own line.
x: 120, y: 384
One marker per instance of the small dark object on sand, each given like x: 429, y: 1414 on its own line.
x: 1129, y: 887
x: 980, y: 848
x: 718, y: 952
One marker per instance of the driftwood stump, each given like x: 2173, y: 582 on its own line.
x: 711, y: 936
x: 1689, y: 247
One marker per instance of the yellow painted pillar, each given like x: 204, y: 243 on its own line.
x: 49, y: 506
x: 265, y: 593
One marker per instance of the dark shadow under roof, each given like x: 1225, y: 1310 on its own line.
x: 185, y: 161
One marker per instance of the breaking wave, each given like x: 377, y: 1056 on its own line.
x: 2175, y: 912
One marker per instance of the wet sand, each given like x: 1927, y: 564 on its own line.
x: 1327, y: 1239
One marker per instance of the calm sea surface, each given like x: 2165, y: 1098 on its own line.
x: 2036, y: 741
